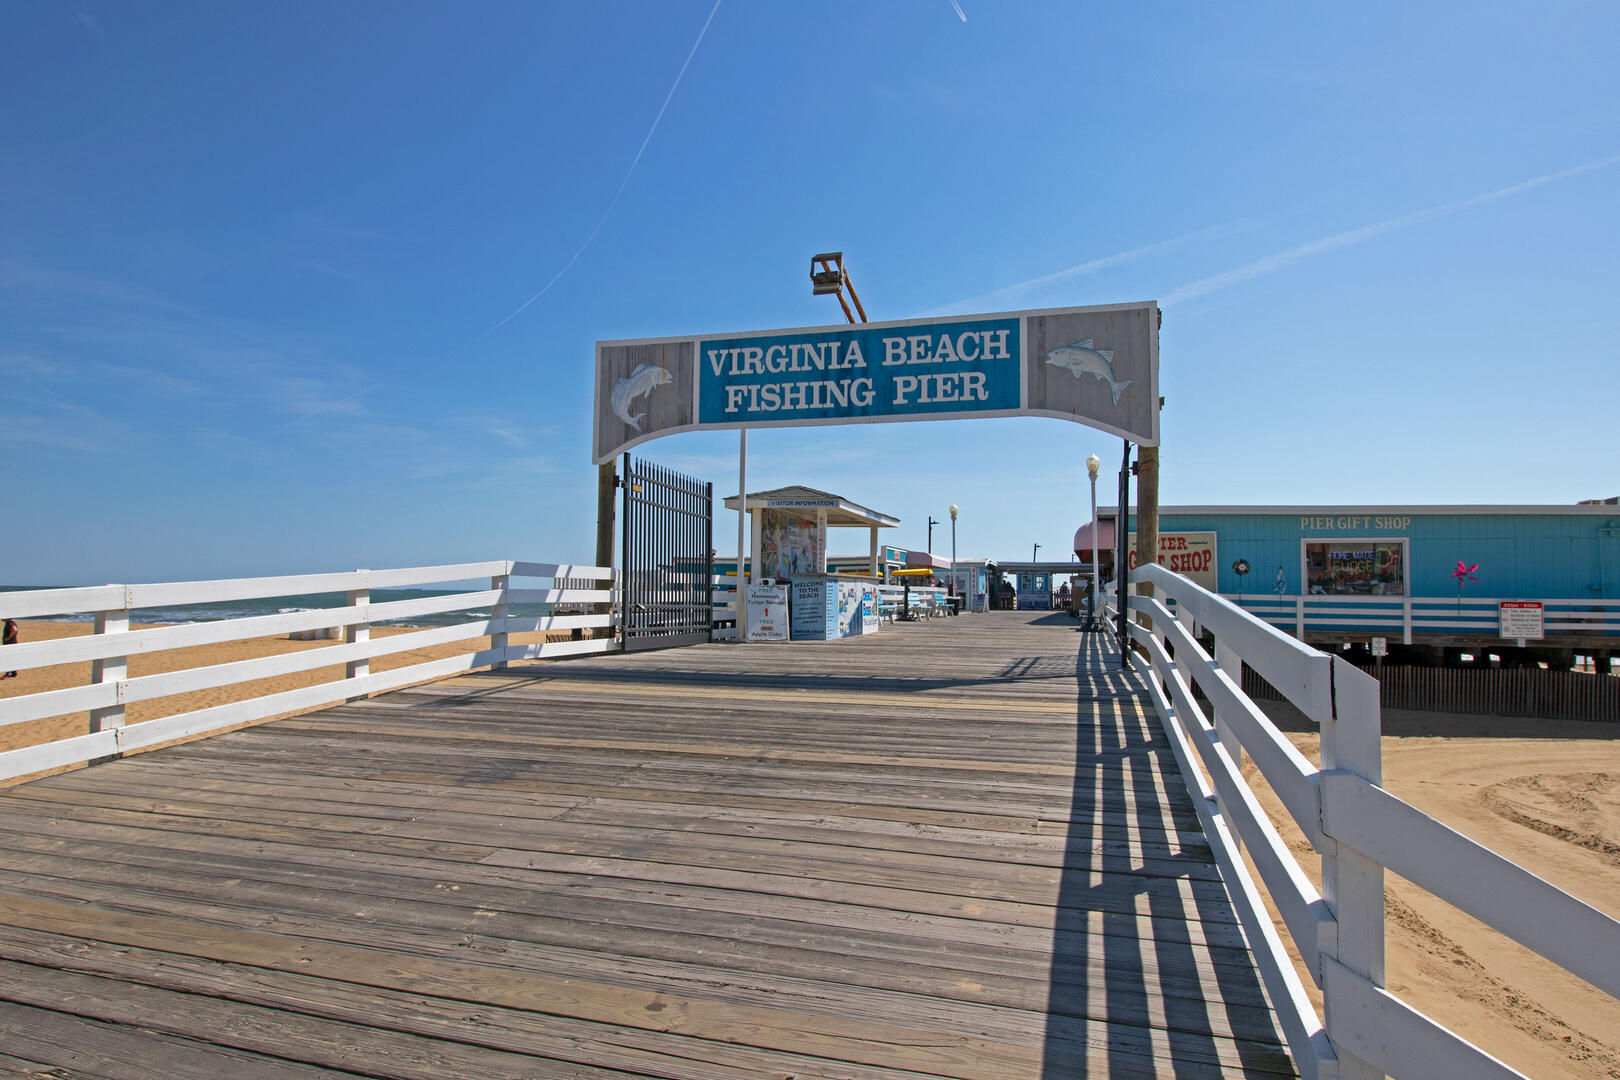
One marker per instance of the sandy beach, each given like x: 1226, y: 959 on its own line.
x: 1543, y: 793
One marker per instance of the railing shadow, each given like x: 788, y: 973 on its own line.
x: 625, y: 670
x: 1127, y: 987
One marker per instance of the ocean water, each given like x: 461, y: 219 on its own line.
x: 242, y: 609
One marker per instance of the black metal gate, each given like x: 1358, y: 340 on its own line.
x: 668, y: 597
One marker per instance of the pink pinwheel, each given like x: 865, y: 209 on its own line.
x: 1463, y: 573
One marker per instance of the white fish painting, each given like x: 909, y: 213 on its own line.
x: 626, y: 390
x: 1083, y: 358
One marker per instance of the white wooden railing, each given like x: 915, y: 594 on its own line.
x: 1402, y: 616
x: 723, y: 618
x: 108, y: 649
x: 1357, y: 827
x: 912, y: 601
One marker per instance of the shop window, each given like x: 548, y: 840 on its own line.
x: 1356, y: 567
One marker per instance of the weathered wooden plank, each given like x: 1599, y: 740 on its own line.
x: 279, y: 787
x: 645, y: 1053
x: 835, y: 855
x: 606, y: 912
x: 506, y: 927
x: 883, y: 787
x: 981, y: 920
x: 112, y: 1051
x: 959, y: 874
x: 332, y: 838
x: 296, y: 1037
x: 489, y: 939
x: 963, y: 852
x: 951, y: 1053
x: 583, y: 764
x: 19, y: 1069
x: 927, y: 805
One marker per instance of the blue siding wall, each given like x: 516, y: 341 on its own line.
x: 1520, y: 555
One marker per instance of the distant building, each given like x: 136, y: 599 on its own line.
x: 1536, y: 582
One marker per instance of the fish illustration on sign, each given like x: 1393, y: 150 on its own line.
x: 626, y: 390
x: 1083, y: 358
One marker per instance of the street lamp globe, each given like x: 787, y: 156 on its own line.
x: 953, y: 511
x: 1093, y: 463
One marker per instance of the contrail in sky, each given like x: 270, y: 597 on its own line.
x: 1272, y: 263
x: 615, y: 200
x: 1091, y: 267
x: 962, y: 14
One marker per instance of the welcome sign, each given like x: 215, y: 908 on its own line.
x: 1094, y: 365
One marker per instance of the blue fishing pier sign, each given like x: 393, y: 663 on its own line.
x: 1096, y: 366
x: 963, y: 367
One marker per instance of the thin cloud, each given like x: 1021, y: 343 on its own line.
x: 1008, y: 293
x: 310, y: 398
x: 506, y: 431
x: 1273, y: 263
x: 26, y: 276
x: 42, y: 431
x: 157, y: 382
x: 622, y: 183
x: 18, y: 366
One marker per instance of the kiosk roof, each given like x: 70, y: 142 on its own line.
x: 840, y: 511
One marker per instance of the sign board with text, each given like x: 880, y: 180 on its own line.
x: 1191, y: 554
x: 1097, y: 366
x: 767, y: 613
x: 1521, y: 619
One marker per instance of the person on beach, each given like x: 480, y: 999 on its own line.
x: 8, y: 636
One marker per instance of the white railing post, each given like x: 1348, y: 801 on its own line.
x: 622, y: 622
x: 1352, y: 884
x: 1226, y: 659
x: 497, y: 617
x: 1406, y: 620
x: 111, y: 669
x: 1299, y: 616
x: 356, y: 632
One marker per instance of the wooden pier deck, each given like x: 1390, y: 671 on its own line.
x: 958, y: 849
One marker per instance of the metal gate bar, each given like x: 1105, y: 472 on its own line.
x: 668, y: 593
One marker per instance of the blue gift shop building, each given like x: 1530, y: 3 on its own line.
x: 1530, y: 583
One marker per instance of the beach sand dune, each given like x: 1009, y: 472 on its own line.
x: 1544, y: 793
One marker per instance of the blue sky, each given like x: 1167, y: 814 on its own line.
x: 259, y: 263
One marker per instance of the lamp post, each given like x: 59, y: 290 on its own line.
x: 953, y: 549
x: 932, y: 521
x: 1036, y: 554
x: 1093, y: 463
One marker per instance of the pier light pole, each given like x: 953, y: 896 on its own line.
x: 1093, y: 464
x: 953, y: 549
x: 742, y: 532
x: 932, y: 521
x: 1036, y: 554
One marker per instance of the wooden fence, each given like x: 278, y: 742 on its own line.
x: 1358, y: 828
x: 1533, y: 692
x: 110, y: 688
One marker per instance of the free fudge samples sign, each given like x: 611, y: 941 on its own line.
x: 1097, y: 366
